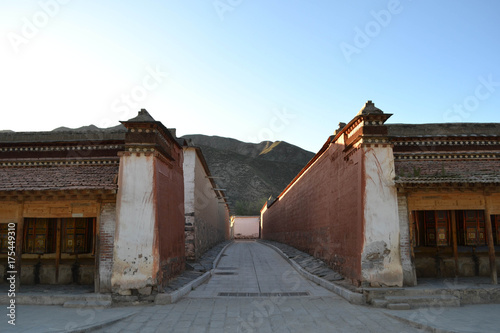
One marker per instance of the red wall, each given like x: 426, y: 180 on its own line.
x: 321, y: 213
x: 170, y: 216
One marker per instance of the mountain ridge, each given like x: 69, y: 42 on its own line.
x: 251, y: 172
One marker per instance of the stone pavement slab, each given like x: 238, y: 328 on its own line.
x: 54, y: 318
x: 249, y: 314
x: 257, y: 270
x: 484, y: 318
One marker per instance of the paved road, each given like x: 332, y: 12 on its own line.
x: 250, y: 267
x: 256, y: 285
x: 256, y: 290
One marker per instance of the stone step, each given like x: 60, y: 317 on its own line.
x: 398, y: 306
x: 379, y: 303
x: 381, y: 292
x: 424, y: 300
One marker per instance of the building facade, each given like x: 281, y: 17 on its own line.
x: 387, y: 204
x: 101, y: 207
x: 447, y: 180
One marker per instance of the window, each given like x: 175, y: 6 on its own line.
x: 77, y: 235
x: 433, y: 228
x: 39, y: 235
x: 471, y: 228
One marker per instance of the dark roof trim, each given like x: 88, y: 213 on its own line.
x: 143, y: 117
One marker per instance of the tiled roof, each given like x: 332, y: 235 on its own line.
x: 444, y: 130
x: 449, y: 171
x: 82, y: 177
x: 115, y: 134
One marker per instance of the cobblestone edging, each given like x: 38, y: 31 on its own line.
x: 316, y: 270
x: 199, y: 272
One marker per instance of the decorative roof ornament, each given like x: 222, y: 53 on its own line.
x: 340, y: 128
x: 369, y: 108
x: 142, y: 117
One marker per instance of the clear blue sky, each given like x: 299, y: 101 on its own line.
x: 253, y: 70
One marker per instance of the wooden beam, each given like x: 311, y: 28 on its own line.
x: 491, y: 246
x: 454, y: 239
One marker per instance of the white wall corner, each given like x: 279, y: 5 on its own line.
x: 135, y: 257
x: 409, y: 271
x: 380, y: 259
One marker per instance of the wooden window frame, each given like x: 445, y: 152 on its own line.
x: 479, y: 221
x: 49, y: 237
x: 424, y: 223
x: 67, y: 236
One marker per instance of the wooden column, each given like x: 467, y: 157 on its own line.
x: 491, y: 246
x: 413, y: 232
x: 58, y: 248
x: 19, y: 244
x: 413, y: 241
x: 96, y: 250
x: 454, y: 239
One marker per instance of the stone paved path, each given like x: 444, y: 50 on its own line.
x: 249, y: 267
x: 257, y: 272
x: 204, y: 264
x: 309, y: 263
x: 259, y: 294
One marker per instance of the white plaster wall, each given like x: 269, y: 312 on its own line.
x: 380, y: 259
x: 209, y: 224
x: 246, y: 226
x: 135, y: 259
x: 202, y: 208
x: 188, y: 167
